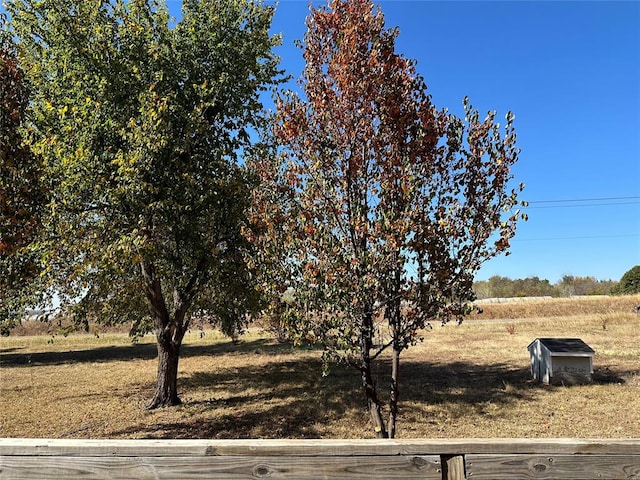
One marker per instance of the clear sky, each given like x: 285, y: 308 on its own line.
x: 570, y: 71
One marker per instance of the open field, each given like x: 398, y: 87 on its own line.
x: 471, y: 380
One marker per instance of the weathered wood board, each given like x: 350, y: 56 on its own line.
x: 553, y: 467
x: 228, y: 467
x: 426, y: 459
x: 337, y: 447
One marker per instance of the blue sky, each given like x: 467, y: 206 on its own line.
x: 570, y: 71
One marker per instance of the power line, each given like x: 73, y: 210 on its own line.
x: 623, y: 235
x: 571, y: 200
x: 586, y: 205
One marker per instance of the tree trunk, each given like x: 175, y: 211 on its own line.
x: 394, y: 317
x: 394, y: 393
x: 170, y: 330
x: 373, y: 404
x: 166, y: 393
x: 369, y: 385
x: 370, y: 390
x: 169, y: 334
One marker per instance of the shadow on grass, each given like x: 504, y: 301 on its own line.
x: 605, y: 376
x: 282, y: 399
x: 12, y: 349
x: 144, y: 351
x: 290, y: 398
x: 93, y: 355
x: 464, y: 382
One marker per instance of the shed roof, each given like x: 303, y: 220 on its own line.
x: 565, y: 345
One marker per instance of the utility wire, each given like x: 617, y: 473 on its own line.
x: 623, y: 235
x: 571, y: 200
x: 586, y: 205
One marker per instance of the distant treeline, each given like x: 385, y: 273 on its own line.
x: 568, y: 286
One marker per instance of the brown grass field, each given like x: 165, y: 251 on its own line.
x: 471, y: 380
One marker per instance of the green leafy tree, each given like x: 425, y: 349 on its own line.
x: 141, y: 121
x: 388, y: 206
x: 629, y: 283
x: 496, y: 286
x: 21, y: 191
x: 533, y: 287
x: 570, y: 285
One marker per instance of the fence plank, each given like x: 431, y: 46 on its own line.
x: 453, y: 467
x: 555, y: 467
x: 427, y: 459
x: 231, y: 467
x: 184, y: 447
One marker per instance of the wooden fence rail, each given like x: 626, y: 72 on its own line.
x: 474, y: 459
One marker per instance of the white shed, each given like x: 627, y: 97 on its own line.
x: 558, y: 360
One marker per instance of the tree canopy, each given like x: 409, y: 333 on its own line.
x: 21, y: 192
x: 630, y: 282
x: 387, y: 205
x: 140, y: 121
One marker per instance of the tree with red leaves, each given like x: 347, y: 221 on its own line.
x: 21, y: 192
x: 386, y: 205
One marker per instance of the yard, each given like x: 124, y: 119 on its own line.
x: 471, y: 380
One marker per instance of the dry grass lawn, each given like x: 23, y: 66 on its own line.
x: 471, y: 380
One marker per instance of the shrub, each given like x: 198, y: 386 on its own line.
x: 629, y: 283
